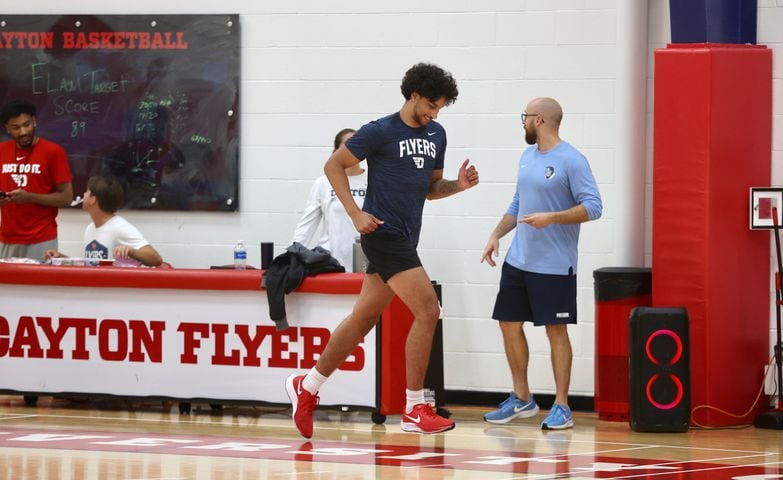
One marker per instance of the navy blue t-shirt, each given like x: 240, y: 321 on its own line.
x: 400, y: 161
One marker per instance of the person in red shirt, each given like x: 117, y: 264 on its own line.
x: 35, y: 180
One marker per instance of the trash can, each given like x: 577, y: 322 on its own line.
x: 617, y: 291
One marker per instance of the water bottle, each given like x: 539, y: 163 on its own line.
x: 359, y: 259
x: 240, y: 256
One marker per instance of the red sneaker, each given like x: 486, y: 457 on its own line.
x: 303, y: 403
x: 423, y: 419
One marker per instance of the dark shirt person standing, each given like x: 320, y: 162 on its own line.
x: 35, y: 180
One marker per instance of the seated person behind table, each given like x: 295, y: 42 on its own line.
x: 338, y: 233
x: 109, y: 233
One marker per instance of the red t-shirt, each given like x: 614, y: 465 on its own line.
x: 37, y: 169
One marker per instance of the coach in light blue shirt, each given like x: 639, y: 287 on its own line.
x: 555, y: 193
x: 551, y: 181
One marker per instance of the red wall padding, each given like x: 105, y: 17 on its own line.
x: 712, y: 142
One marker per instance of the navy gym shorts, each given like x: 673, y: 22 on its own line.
x: 389, y: 253
x: 535, y: 297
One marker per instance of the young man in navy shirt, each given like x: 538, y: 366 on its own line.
x: 404, y: 152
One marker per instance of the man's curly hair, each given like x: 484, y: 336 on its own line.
x: 14, y: 108
x: 431, y: 82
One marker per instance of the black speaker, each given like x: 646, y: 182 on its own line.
x: 659, y: 369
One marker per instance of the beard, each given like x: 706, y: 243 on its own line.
x: 531, y: 137
x: 26, y: 141
x: 420, y: 119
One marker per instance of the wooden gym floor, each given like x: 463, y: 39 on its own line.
x: 61, y: 439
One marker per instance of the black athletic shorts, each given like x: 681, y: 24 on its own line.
x: 389, y: 253
x: 535, y: 297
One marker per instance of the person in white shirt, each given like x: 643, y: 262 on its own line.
x: 338, y: 233
x: 110, y: 236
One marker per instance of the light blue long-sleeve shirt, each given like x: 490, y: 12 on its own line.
x: 551, y: 181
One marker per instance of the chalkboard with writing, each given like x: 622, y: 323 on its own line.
x: 150, y: 99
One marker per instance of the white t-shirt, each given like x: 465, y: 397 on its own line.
x: 100, y: 242
x: 338, y: 234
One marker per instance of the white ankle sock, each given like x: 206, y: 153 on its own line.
x: 313, y: 380
x: 413, y: 398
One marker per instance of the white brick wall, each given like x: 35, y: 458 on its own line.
x: 310, y: 68
x: 770, y: 19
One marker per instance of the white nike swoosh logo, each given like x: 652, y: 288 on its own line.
x: 414, y: 420
x: 299, y: 389
x: 431, y: 133
x: 518, y: 409
x: 20, y: 158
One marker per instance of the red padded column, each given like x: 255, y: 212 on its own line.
x: 712, y: 142
x: 396, y: 321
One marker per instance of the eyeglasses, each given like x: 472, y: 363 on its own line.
x: 525, y: 115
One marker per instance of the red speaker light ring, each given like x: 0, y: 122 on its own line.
x: 667, y: 406
x: 674, y: 337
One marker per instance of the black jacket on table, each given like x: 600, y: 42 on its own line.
x: 286, y: 273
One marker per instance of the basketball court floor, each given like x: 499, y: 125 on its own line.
x: 61, y: 439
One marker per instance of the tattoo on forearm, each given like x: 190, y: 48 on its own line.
x: 445, y: 187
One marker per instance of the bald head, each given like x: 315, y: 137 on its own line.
x: 548, y: 108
